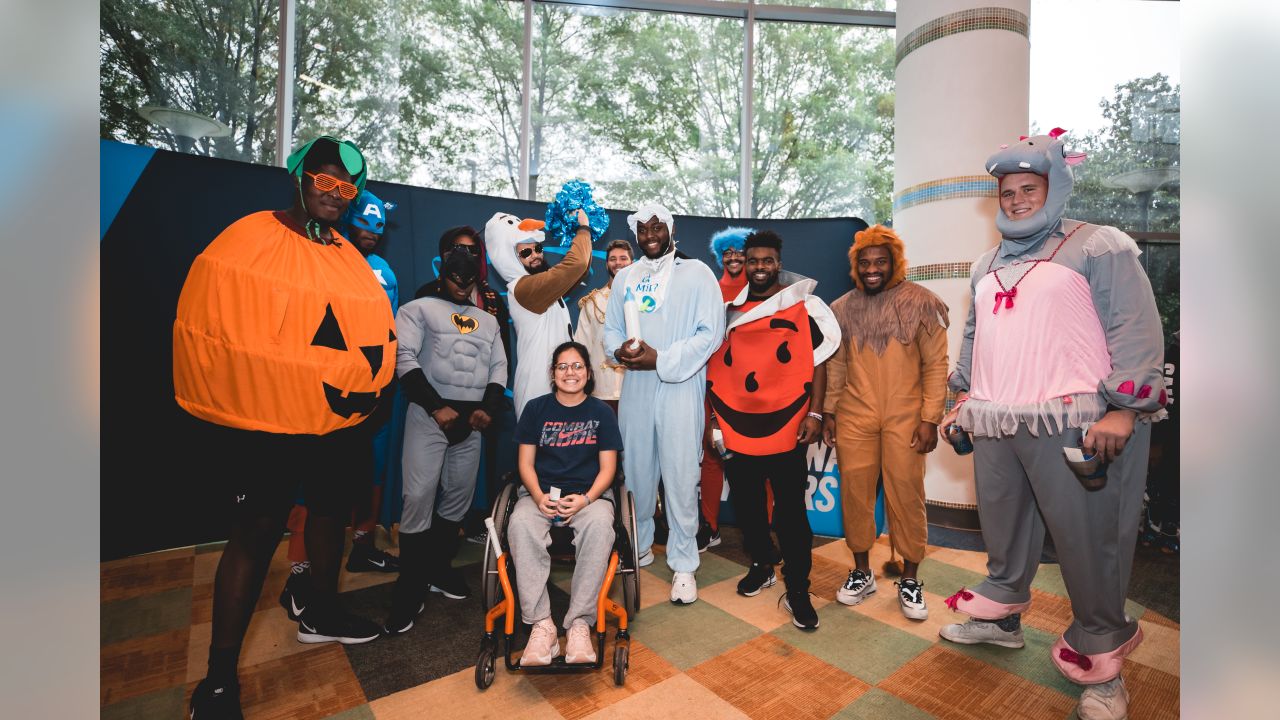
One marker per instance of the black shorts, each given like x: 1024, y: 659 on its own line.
x: 263, y: 473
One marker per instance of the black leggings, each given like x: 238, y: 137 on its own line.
x: 263, y: 474
x: 789, y: 476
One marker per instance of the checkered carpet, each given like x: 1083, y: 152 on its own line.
x: 725, y: 656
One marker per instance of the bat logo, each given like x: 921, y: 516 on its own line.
x: 465, y: 324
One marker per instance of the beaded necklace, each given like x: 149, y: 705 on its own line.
x: 1008, y: 294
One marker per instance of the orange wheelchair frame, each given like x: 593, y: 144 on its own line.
x: 498, y: 572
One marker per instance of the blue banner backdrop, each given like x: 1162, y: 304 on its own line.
x: 156, y: 492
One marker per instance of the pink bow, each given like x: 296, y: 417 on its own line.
x: 953, y: 601
x: 1075, y: 658
x: 1007, y: 296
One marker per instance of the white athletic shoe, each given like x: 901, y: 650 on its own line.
x: 911, y: 599
x: 976, y: 631
x: 578, y: 648
x: 646, y: 557
x: 684, y: 589
x: 1104, y: 701
x: 856, y: 587
x: 543, y: 645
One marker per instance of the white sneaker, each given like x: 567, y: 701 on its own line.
x: 1104, y: 701
x: 646, y: 557
x: 578, y: 647
x: 977, y: 631
x: 856, y: 587
x: 543, y: 644
x: 684, y: 589
x: 911, y: 599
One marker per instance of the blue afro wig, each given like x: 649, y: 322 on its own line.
x: 730, y: 237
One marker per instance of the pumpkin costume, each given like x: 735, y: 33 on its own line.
x: 889, y: 374
x: 759, y: 384
x: 1063, y: 330
x: 284, y: 343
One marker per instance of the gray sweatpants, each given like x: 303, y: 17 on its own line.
x: 436, y: 478
x: 529, y: 535
x: 1023, y: 485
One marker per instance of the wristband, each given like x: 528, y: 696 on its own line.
x: 816, y: 416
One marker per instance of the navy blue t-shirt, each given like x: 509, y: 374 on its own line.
x: 569, y: 440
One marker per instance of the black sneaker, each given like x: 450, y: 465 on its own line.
x: 451, y: 585
x: 707, y: 538
x: 400, y: 626
x: 758, y: 578
x: 366, y: 557
x: 803, y: 615
x: 297, y: 593
x: 216, y: 703
x: 479, y: 538
x: 339, y: 627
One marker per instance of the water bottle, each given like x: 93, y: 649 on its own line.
x: 717, y: 441
x: 959, y: 439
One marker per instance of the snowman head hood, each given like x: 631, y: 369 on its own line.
x: 501, y: 234
x: 1044, y: 155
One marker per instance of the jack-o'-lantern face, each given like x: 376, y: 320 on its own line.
x: 759, y: 380
x: 349, y: 402
x: 279, y: 334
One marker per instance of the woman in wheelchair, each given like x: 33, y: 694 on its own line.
x: 569, y: 443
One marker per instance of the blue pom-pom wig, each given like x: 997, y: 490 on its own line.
x: 730, y: 237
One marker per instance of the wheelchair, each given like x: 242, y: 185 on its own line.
x: 501, y: 602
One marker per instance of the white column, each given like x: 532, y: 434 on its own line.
x: 962, y: 88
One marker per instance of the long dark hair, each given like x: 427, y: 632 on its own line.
x: 586, y: 360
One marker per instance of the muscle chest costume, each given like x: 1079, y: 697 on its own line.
x: 536, y: 301
x: 661, y: 411
x: 590, y: 332
x: 1063, y: 326
x: 888, y: 376
x: 458, y: 350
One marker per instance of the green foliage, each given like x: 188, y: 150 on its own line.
x: 643, y: 105
x: 1144, y: 133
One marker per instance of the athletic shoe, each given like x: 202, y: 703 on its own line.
x: 216, y: 703
x: 911, y: 599
x: 400, y: 626
x: 578, y: 647
x: 684, y: 589
x: 479, y: 538
x: 856, y: 587
x: 803, y: 615
x: 758, y: 578
x: 296, y: 594
x: 1104, y: 701
x: 976, y: 631
x: 451, y: 585
x: 543, y: 645
x: 646, y: 557
x: 707, y: 538
x: 366, y: 557
x: 339, y: 627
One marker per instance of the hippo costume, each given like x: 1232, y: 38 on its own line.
x: 1063, y: 327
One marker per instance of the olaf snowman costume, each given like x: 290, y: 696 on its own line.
x: 536, y: 300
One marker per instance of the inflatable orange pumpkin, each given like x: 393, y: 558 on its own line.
x: 281, y: 334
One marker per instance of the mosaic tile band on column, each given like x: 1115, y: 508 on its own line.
x: 985, y: 18
x: 963, y: 186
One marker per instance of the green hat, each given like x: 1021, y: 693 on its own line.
x: 352, y: 159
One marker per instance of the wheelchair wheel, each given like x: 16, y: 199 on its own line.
x: 502, y: 507
x: 620, y: 661
x: 631, y: 563
x: 486, y: 664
